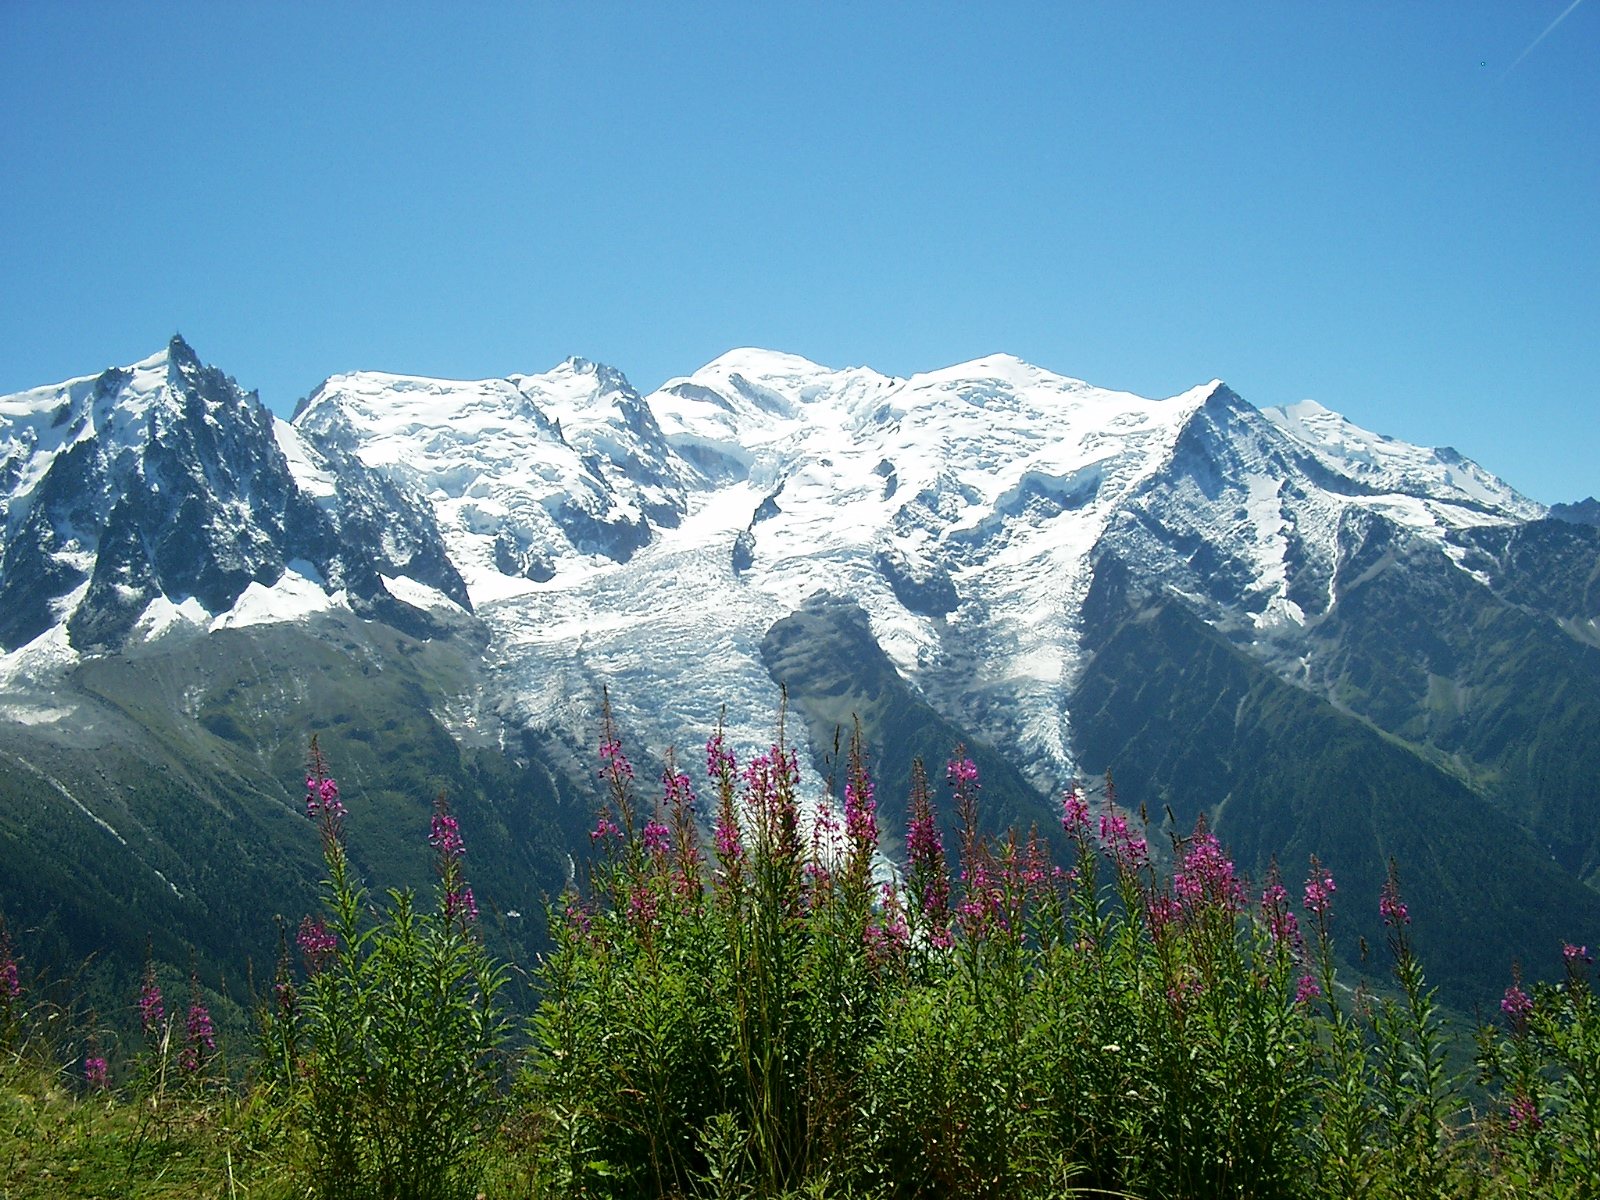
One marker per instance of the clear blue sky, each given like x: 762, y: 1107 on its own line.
x: 1372, y: 204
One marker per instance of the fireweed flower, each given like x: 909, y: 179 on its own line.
x: 817, y: 874
x: 887, y: 938
x: 679, y: 801
x: 322, y: 797
x: 460, y: 903
x: 679, y: 790
x: 615, y: 765
x: 323, y: 804
x: 1034, y: 870
x: 1074, y: 812
x: 1162, y: 911
x: 1306, y: 990
x: 770, y: 781
x: 200, y: 1039
x: 445, y: 835
x: 1283, y: 927
x: 642, y: 906
x: 152, y: 1012
x: 961, y: 773
x: 1516, y: 1004
x: 1393, y: 909
x: 657, y: 838
x: 579, y: 917
x: 1390, y: 907
x: 982, y: 910
x: 1522, y: 1115
x: 285, y: 994
x: 1575, y: 954
x: 719, y: 759
x: 96, y: 1074
x: 1206, y: 877
x: 1130, y: 854
x: 317, y: 943
x: 926, y: 872
x: 726, y: 839
x: 1319, y: 890
x: 860, y: 817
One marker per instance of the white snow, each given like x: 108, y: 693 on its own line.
x: 292, y: 597
x: 307, y: 467
x: 162, y: 615
x: 1395, y: 467
x: 418, y: 595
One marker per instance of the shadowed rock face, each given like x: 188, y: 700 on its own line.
x: 1584, y: 512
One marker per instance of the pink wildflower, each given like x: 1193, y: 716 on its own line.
x: 961, y: 773
x: 1306, y: 990
x: 926, y: 873
x: 579, y: 917
x: 1131, y: 854
x: 657, y: 837
x: 323, y: 804
x: 152, y: 1012
x: 616, y: 766
x: 1162, y: 911
x: 1390, y: 907
x: 726, y: 839
x: 96, y: 1073
x: 322, y: 798
x: 200, y: 1038
x: 860, y: 817
x: 719, y: 759
x: 459, y: 902
x: 445, y: 835
x: 1516, y: 1004
x: 317, y: 943
x: 1282, y: 925
x: 1206, y: 877
x: 642, y: 906
x: 1074, y: 812
x: 1523, y: 1114
x: 1319, y: 890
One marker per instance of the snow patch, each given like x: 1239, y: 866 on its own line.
x: 291, y: 598
x: 418, y: 595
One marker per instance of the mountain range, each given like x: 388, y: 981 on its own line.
x: 1321, y: 639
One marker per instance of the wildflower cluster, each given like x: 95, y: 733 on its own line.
x: 389, y: 1047
x: 984, y: 1023
x: 199, y: 1037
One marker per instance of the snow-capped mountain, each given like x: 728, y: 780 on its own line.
x: 652, y: 543
x: 161, y: 493
x: 519, y: 472
x: 1072, y: 577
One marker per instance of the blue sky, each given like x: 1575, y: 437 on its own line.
x: 1372, y: 204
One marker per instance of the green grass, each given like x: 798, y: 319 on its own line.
x: 57, y: 1141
